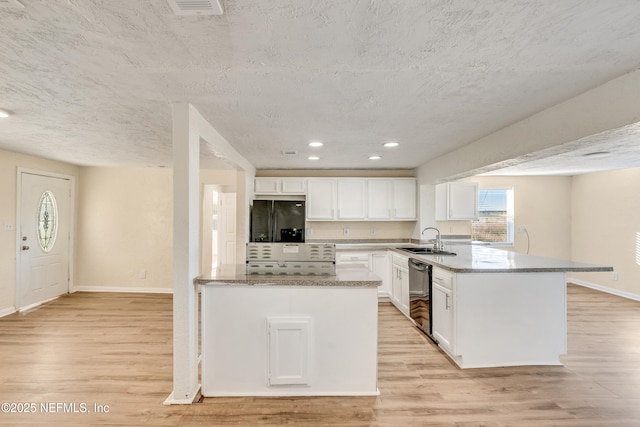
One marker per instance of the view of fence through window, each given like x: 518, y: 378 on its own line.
x: 495, y: 217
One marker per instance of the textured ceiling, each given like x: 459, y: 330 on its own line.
x: 91, y: 82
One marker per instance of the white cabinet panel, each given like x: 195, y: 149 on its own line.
x: 391, y: 199
x: 351, y: 199
x: 456, y: 201
x: 400, y: 283
x: 267, y: 186
x: 379, y: 199
x: 404, y: 199
x: 294, y: 186
x: 442, y: 312
x: 321, y: 199
x: 280, y: 186
x: 288, y: 351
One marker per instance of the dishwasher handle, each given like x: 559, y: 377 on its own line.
x: 417, y: 264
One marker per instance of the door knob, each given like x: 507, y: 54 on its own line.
x: 25, y: 248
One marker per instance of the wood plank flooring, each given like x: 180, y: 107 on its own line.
x: 115, y: 350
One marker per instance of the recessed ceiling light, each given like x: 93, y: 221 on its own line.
x: 3, y: 114
x: 315, y: 144
x: 391, y: 144
x: 313, y: 158
x: 374, y: 157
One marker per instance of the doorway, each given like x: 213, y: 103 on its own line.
x: 218, y: 228
x: 44, y: 237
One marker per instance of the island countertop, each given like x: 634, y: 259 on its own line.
x: 482, y: 259
x: 236, y: 275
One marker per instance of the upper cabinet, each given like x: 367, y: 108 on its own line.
x: 391, y: 199
x: 351, y: 199
x: 321, y: 199
x: 336, y: 199
x: 348, y: 199
x: 280, y: 186
x: 456, y: 201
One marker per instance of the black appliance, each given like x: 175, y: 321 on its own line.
x: 420, y: 285
x: 277, y: 221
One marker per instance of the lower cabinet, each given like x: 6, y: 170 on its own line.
x: 400, y: 283
x: 442, y: 301
x: 376, y: 261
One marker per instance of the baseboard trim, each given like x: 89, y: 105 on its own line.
x: 7, y: 311
x: 123, y: 289
x: 617, y: 292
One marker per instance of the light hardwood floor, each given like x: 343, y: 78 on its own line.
x: 115, y: 350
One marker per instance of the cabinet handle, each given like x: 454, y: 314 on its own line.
x: 447, y: 302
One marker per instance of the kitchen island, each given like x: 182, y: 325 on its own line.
x: 289, y: 335
x: 494, y: 308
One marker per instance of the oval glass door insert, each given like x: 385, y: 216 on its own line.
x: 47, y: 221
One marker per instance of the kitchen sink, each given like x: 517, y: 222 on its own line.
x: 426, y: 251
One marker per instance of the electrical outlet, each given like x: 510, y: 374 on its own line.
x: 309, y: 231
x: 8, y: 226
x: 614, y: 276
x: 373, y: 231
x: 345, y: 231
x: 522, y: 229
x: 142, y: 274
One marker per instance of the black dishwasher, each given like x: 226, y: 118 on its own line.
x: 420, y: 295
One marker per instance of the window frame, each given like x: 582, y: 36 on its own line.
x: 510, y: 241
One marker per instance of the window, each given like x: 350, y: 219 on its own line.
x: 495, y: 217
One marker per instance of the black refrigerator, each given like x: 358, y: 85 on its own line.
x: 277, y: 221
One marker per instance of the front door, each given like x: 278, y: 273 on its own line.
x: 45, y: 217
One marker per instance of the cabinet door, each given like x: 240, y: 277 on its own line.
x: 294, y: 186
x: 379, y: 264
x: 267, y: 185
x: 320, y: 202
x: 404, y: 291
x: 463, y: 200
x: 396, y: 286
x: 442, y: 312
x: 379, y: 199
x: 456, y: 201
x: 404, y: 199
x: 351, y: 199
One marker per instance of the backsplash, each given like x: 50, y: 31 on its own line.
x: 350, y: 230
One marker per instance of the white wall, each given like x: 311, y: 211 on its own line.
x: 9, y: 163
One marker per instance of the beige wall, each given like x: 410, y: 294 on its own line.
x: 543, y: 206
x: 125, y: 225
x: 606, y: 227
x: 9, y: 163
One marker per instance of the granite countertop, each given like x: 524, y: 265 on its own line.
x: 481, y: 259
x: 345, y: 276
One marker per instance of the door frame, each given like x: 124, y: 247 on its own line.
x: 18, y: 229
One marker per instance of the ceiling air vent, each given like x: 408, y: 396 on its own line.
x: 11, y: 4
x: 194, y: 7
x: 289, y: 153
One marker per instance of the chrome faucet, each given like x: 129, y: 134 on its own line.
x: 437, y: 246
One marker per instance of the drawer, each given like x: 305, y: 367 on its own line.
x: 442, y: 277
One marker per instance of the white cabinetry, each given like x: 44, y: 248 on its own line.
x: 456, y: 201
x: 321, y: 199
x: 443, y: 309
x: 351, y: 198
x: 376, y: 261
x: 391, y: 199
x: 280, y: 186
x: 400, y: 283
x: 380, y: 264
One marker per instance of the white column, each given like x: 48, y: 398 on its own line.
x: 186, y: 172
